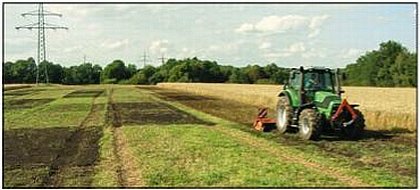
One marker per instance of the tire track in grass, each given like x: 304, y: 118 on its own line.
x: 78, y: 154
x: 127, y: 170
x: 129, y: 176
x: 278, y: 152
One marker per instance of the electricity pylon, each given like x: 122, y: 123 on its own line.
x: 145, y: 58
x: 41, y: 26
x: 163, y: 59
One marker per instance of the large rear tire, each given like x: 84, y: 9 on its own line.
x: 355, y: 131
x: 284, y: 114
x: 309, y: 125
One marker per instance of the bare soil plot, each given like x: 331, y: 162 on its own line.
x: 76, y: 159
x: 84, y: 93
x: 21, y: 92
x: 28, y: 146
x: 15, y: 86
x: 154, y: 113
x: 25, y: 103
x: 29, y: 152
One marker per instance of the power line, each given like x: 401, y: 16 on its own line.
x: 41, y: 26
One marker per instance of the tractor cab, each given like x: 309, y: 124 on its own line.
x: 305, y: 83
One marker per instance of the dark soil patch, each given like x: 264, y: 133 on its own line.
x: 177, y: 95
x: 113, y: 116
x: 15, y: 87
x: 33, y: 147
x: 27, y: 150
x: 81, y: 152
x: 25, y: 103
x: 84, y: 93
x: 73, y: 107
x: 21, y: 92
x: 154, y: 113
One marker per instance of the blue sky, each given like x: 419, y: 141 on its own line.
x: 289, y: 35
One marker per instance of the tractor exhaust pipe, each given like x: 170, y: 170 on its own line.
x: 338, y: 81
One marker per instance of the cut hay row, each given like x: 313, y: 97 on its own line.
x: 384, y: 108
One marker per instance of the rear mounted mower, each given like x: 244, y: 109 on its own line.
x: 261, y: 122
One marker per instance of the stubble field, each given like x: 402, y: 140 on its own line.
x: 179, y: 136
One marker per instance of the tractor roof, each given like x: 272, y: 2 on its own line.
x: 311, y: 69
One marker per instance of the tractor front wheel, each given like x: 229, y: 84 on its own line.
x: 309, y: 125
x: 284, y: 114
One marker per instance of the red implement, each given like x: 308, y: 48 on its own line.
x: 261, y: 121
x: 344, y: 105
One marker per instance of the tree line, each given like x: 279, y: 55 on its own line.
x: 391, y: 65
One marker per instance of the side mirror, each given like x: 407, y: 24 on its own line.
x: 342, y: 91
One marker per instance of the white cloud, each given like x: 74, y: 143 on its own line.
x: 199, y: 21
x: 246, y: 27
x: 72, y: 49
x: 281, y: 24
x: 351, y: 53
x: 159, y: 46
x: 214, y: 48
x: 115, y: 44
x: 315, y: 25
x: 314, y: 53
x: 296, y: 48
x: 277, y: 55
x: 293, y: 49
x: 265, y: 45
x: 317, y: 21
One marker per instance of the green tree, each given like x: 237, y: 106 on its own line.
x: 115, y: 72
x: 391, y: 65
x: 238, y: 77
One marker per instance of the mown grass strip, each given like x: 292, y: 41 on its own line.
x: 198, y: 156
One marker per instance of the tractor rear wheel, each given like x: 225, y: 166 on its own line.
x: 309, y: 125
x: 284, y: 114
x: 355, y: 131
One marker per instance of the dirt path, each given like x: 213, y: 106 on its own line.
x: 279, y: 153
x: 77, y: 157
x: 127, y: 170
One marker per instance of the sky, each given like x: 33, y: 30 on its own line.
x: 289, y: 35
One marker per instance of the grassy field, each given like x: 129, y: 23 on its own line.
x: 130, y: 136
x: 384, y: 108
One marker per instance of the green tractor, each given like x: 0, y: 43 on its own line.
x: 311, y: 102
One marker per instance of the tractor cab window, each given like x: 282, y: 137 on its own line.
x: 295, y: 81
x: 318, y: 81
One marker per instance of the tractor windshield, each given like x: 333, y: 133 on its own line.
x: 318, y: 81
